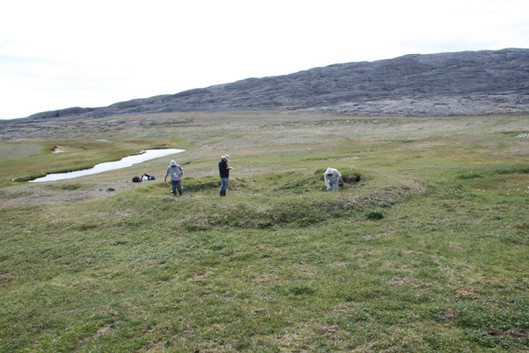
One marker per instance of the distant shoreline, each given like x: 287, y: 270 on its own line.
x: 108, y: 166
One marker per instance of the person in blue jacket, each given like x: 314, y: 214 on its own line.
x: 224, y: 172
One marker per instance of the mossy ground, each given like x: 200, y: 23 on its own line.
x: 424, y: 249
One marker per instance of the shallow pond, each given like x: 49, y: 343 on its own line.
x: 107, y: 166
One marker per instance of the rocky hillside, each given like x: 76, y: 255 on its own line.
x: 464, y: 83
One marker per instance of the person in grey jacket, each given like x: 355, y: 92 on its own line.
x: 176, y: 172
x: 332, y: 177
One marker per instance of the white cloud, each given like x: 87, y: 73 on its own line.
x: 55, y: 54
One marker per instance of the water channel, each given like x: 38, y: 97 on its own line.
x: 107, y: 166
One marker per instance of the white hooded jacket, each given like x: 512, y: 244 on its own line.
x: 330, y: 176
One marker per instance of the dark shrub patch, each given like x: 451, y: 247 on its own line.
x: 470, y: 175
x: 353, y: 178
x: 301, y: 290
x: 374, y: 215
x: 68, y: 187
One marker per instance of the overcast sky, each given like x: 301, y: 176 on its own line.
x: 56, y: 54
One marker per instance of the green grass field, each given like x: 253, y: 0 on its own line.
x: 424, y: 249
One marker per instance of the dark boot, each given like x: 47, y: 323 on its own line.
x: 223, y: 193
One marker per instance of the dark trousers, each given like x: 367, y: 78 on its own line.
x: 176, y: 184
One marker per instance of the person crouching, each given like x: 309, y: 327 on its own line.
x: 332, y: 177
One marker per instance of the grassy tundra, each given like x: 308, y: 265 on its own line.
x: 425, y: 248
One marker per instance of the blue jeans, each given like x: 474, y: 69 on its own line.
x: 223, y: 184
x: 176, y: 184
x: 334, y: 186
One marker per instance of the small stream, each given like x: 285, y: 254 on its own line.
x: 107, y: 166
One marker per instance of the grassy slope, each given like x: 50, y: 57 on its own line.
x: 428, y: 252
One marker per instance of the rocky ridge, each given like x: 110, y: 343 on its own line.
x: 462, y: 83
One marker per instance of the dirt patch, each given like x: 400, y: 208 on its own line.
x: 469, y: 292
x: 267, y: 278
x: 337, y: 265
x: 42, y: 194
x: 61, y: 149
x: 397, y: 281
